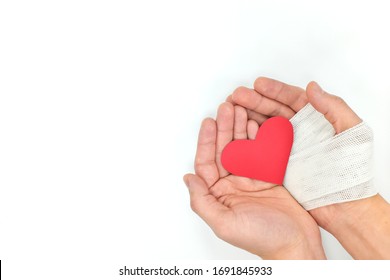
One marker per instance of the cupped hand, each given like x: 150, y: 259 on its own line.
x: 259, y: 217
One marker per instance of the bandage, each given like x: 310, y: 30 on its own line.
x: 325, y: 168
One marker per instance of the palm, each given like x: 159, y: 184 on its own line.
x: 262, y: 214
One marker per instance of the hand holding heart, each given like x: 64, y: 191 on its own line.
x: 273, y: 98
x: 262, y: 218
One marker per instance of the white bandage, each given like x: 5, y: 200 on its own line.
x: 325, y: 168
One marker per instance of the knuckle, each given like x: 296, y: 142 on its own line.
x: 200, y: 167
x: 198, y: 161
x: 260, y: 83
x: 239, y: 93
x: 275, y: 111
x: 194, y: 205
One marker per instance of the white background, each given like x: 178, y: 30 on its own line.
x: 101, y: 102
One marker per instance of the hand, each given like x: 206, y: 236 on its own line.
x: 259, y: 217
x: 347, y: 221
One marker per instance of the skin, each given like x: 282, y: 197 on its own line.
x: 362, y: 226
x: 256, y: 216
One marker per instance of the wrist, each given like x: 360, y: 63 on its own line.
x: 340, y: 215
x: 361, y: 226
x: 301, y: 251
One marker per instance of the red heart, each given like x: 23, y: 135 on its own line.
x: 264, y: 158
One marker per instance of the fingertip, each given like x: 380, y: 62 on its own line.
x: 208, y: 121
x: 313, y: 91
x: 208, y: 125
x: 240, y: 95
x: 226, y: 108
x: 262, y: 83
x: 315, y: 96
x: 225, y: 116
x: 313, y: 84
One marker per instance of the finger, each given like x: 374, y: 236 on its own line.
x: 291, y: 96
x: 240, y: 123
x: 225, y: 124
x: 252, y: 128
x: 203, y: 203
x: 335, y: 110
x: 205, y: 165
x: 259, y: 118
x: 254, y: 101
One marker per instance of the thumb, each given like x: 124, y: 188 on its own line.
x: 203, y: 202
x: 334, y: 108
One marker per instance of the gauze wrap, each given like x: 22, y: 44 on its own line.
x: 325, y: 168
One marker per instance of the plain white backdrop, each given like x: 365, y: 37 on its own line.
x: 101, y: 101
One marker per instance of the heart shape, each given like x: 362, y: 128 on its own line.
x: 264, y: 158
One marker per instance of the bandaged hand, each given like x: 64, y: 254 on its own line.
x: 324, y: 167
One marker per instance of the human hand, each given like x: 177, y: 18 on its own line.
x: 344, y: 220
x: 259, y: 217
